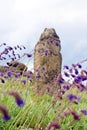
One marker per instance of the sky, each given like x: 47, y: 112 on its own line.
x: 23, y: 21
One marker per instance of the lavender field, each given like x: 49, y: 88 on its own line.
x: 21, y: 108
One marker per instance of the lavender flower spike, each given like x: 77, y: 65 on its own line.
x: 4, y: 111
x: 54, y: 125
x: 18, y: 98
x: 84, y: 112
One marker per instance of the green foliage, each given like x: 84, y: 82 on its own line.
x: 38, y: 111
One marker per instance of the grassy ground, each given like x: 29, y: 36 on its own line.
x: 39, y: 111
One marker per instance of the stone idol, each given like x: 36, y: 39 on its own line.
x: 47, y: 60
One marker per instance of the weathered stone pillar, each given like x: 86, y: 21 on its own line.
x: 47, y: 58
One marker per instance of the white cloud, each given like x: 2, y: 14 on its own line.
x: 22, y: 22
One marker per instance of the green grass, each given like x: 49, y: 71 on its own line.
x: 39, y: 111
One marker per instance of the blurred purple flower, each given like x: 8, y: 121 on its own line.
x: 4, y: 44
x: 78, y: 98
x: 73, y: 75
x: 79, y: 65
x: 29, y: 55
x: 57, y: 44
x: 12, y: 59
x: 28, y: 76
x: 31, y: 72
x: 84, y: 112
x: 38, y: 76
x: 76, y: 71
x: 71, y: 97
x: 10, y: 48
x: 66, y: 67
x: 20, y: 48
x: 66, y: 87
x: 23, y: 81
x: 71, y: 70
x: 54, y: 125
x: 9, y: 74
x: 24, y: 47
x: 84, y: 78
x: 2, y: 80
x: 17, y: 75
x: 61, y: 80
x: 17, y: 97
x: 4, y: 112
x: 15, y: 48
x: 75, y: 115
x: 46, y: 52
x: 4, y: 58
x: 66, y: 74
x: 51, y: 41
x: 78, y: 79
x: 83, y: 87
x: 73, y: 65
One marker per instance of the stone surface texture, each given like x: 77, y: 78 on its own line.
x: 17, y: 67
x: 47, y: 58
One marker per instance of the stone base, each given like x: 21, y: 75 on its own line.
x: 49, y: 88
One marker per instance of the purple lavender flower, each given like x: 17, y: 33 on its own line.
x: 12, y: 59
x: 78, y: 98
x: 61, y: 80
x: 30, y: 72
x: 57, y: 44
x: 10, y: 74
x: 29, y: 55
x: 84, y: 112
x: 28, y: 76
x: 17, y: 75
x: 78, y: 79
x: 79, y: 65
x: 74, y: 98
x: 73, y: 75
x: 71, y: 97
x: 10, y: 48
x: 75, y: 115
x: 4, y: 58
x: 20, y: 103
x: 66, y: 74
x: 15, y: 48
x: 38, y: 76
x: 51, y: 41
x: 18, y: 56
x: 46, y: 52
x: 5, y: 113
x: 66, y: 87
x: 54, y: 125
x: 18, y: 98
x: 2, y: 80
x: 73, y: 65
x: 66, y: 67
x: 4, y: 44
x: 24, y: 47
x: 20, y: 48
x: 76, y: 71
x: 23, y: 81
x: 9, y: 56
x: 84, y: 78
x: 82, y: 87
x: 6, y: 118
x: 70, y: 70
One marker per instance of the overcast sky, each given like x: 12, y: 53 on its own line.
x: 22, y: 22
